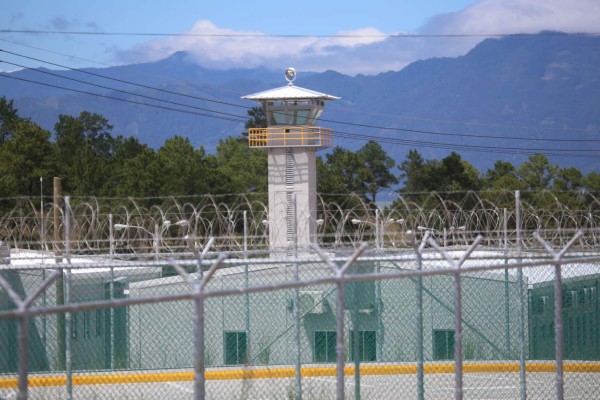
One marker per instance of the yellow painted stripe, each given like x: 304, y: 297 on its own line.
x: 277, y: 373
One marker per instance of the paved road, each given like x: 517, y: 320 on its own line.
x: 437, y: 386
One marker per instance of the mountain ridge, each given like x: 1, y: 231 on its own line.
x: 545, y: 87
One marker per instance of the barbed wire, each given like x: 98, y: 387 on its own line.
x: 133, y: 227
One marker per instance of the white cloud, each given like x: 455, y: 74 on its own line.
x: 368, y: 50
x: 519, y: 16
x: 220, y: 48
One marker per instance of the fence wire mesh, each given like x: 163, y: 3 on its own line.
x: 149, y: 310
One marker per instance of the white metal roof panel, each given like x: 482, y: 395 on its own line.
x: 289, y: 92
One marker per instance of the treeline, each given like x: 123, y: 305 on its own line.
x: 93, y: 162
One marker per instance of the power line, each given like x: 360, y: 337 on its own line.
x: 471, y: 148
x: 348, y: 135
x: 121, y: 91
x: 345, y: 109
x: 352, y: 136
x: 278, y: 35
x: 466, y: 123
x: 120, y: 80
x: 385, y: 128
x: 123, y: 100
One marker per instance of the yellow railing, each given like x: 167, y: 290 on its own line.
x: 290, y: 136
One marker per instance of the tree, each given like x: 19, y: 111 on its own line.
x: 592, y: 182
x: 328, y: 182
x: 138, y: 176
x: 84, y: 151
x: 237, y: 168
x: 537, y: 173
x: 503, y: 177
x: 375, y: 173
x: 26, y: 155
x: 183, y: 169
x: 416, y: 173
x: 8, y: 118
x: 458, y: 174
x: 257, y: 119
x: 343, y: 168
x: 568, y: 179
x: 450, y: 177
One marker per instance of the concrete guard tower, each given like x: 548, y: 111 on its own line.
x: 291, y: 140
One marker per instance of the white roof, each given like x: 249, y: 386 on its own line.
x: 289, y: 92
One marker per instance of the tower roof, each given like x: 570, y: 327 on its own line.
x: 289, y: 92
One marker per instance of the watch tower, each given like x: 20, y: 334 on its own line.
x: 291, y: 140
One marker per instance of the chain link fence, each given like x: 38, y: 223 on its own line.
x: 157, y: 310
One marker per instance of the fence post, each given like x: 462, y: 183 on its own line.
x: 458, y: 356
x: 60, y: 283
x: 197, y: 286
x: 355, y: 343
x: 69, y: 316
x: 296, y: 308
x: 521, y: 294
x: 57, y: 200
x: 506, y: 287
x: 246, y: 280
x: 340, y: 350
x: 419, y: 304
x: 558, y: 321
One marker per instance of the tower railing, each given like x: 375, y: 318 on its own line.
x: 290, y: 136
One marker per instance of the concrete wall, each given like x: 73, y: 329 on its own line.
x: 303, y: 185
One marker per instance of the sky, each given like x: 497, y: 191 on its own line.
x: 352, y: 37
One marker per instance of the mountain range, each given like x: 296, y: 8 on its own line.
x: 506, y: 98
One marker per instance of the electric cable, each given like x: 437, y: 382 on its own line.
x: 420, y: 131
x: 120, y: 80
x: 119, y: 90
x: 279, y: 35
x: 124, y: 100
x: 348, y: 135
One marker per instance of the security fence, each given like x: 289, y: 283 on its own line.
x: 140, y: 227
x: 158, y: 310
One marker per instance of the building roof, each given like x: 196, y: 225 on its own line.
x: 289, y: 92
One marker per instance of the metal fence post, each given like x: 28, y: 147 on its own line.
x: 296, y: 309
x: 111, y: 295
x: 156, y: 241
x: 377, y: 232
x: 355, y: 345
x: 521, y: 294
x: 458, y: 356
x: 23, y: 316
x: 339, y: 276
x: 69, y: 315
x: 558, y: 331
x: 198, y: 286
x: 419, y: 305
x: 506, y: 287
x: 246, y: 280
x: 558, y: 321
x: 378, y: 289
